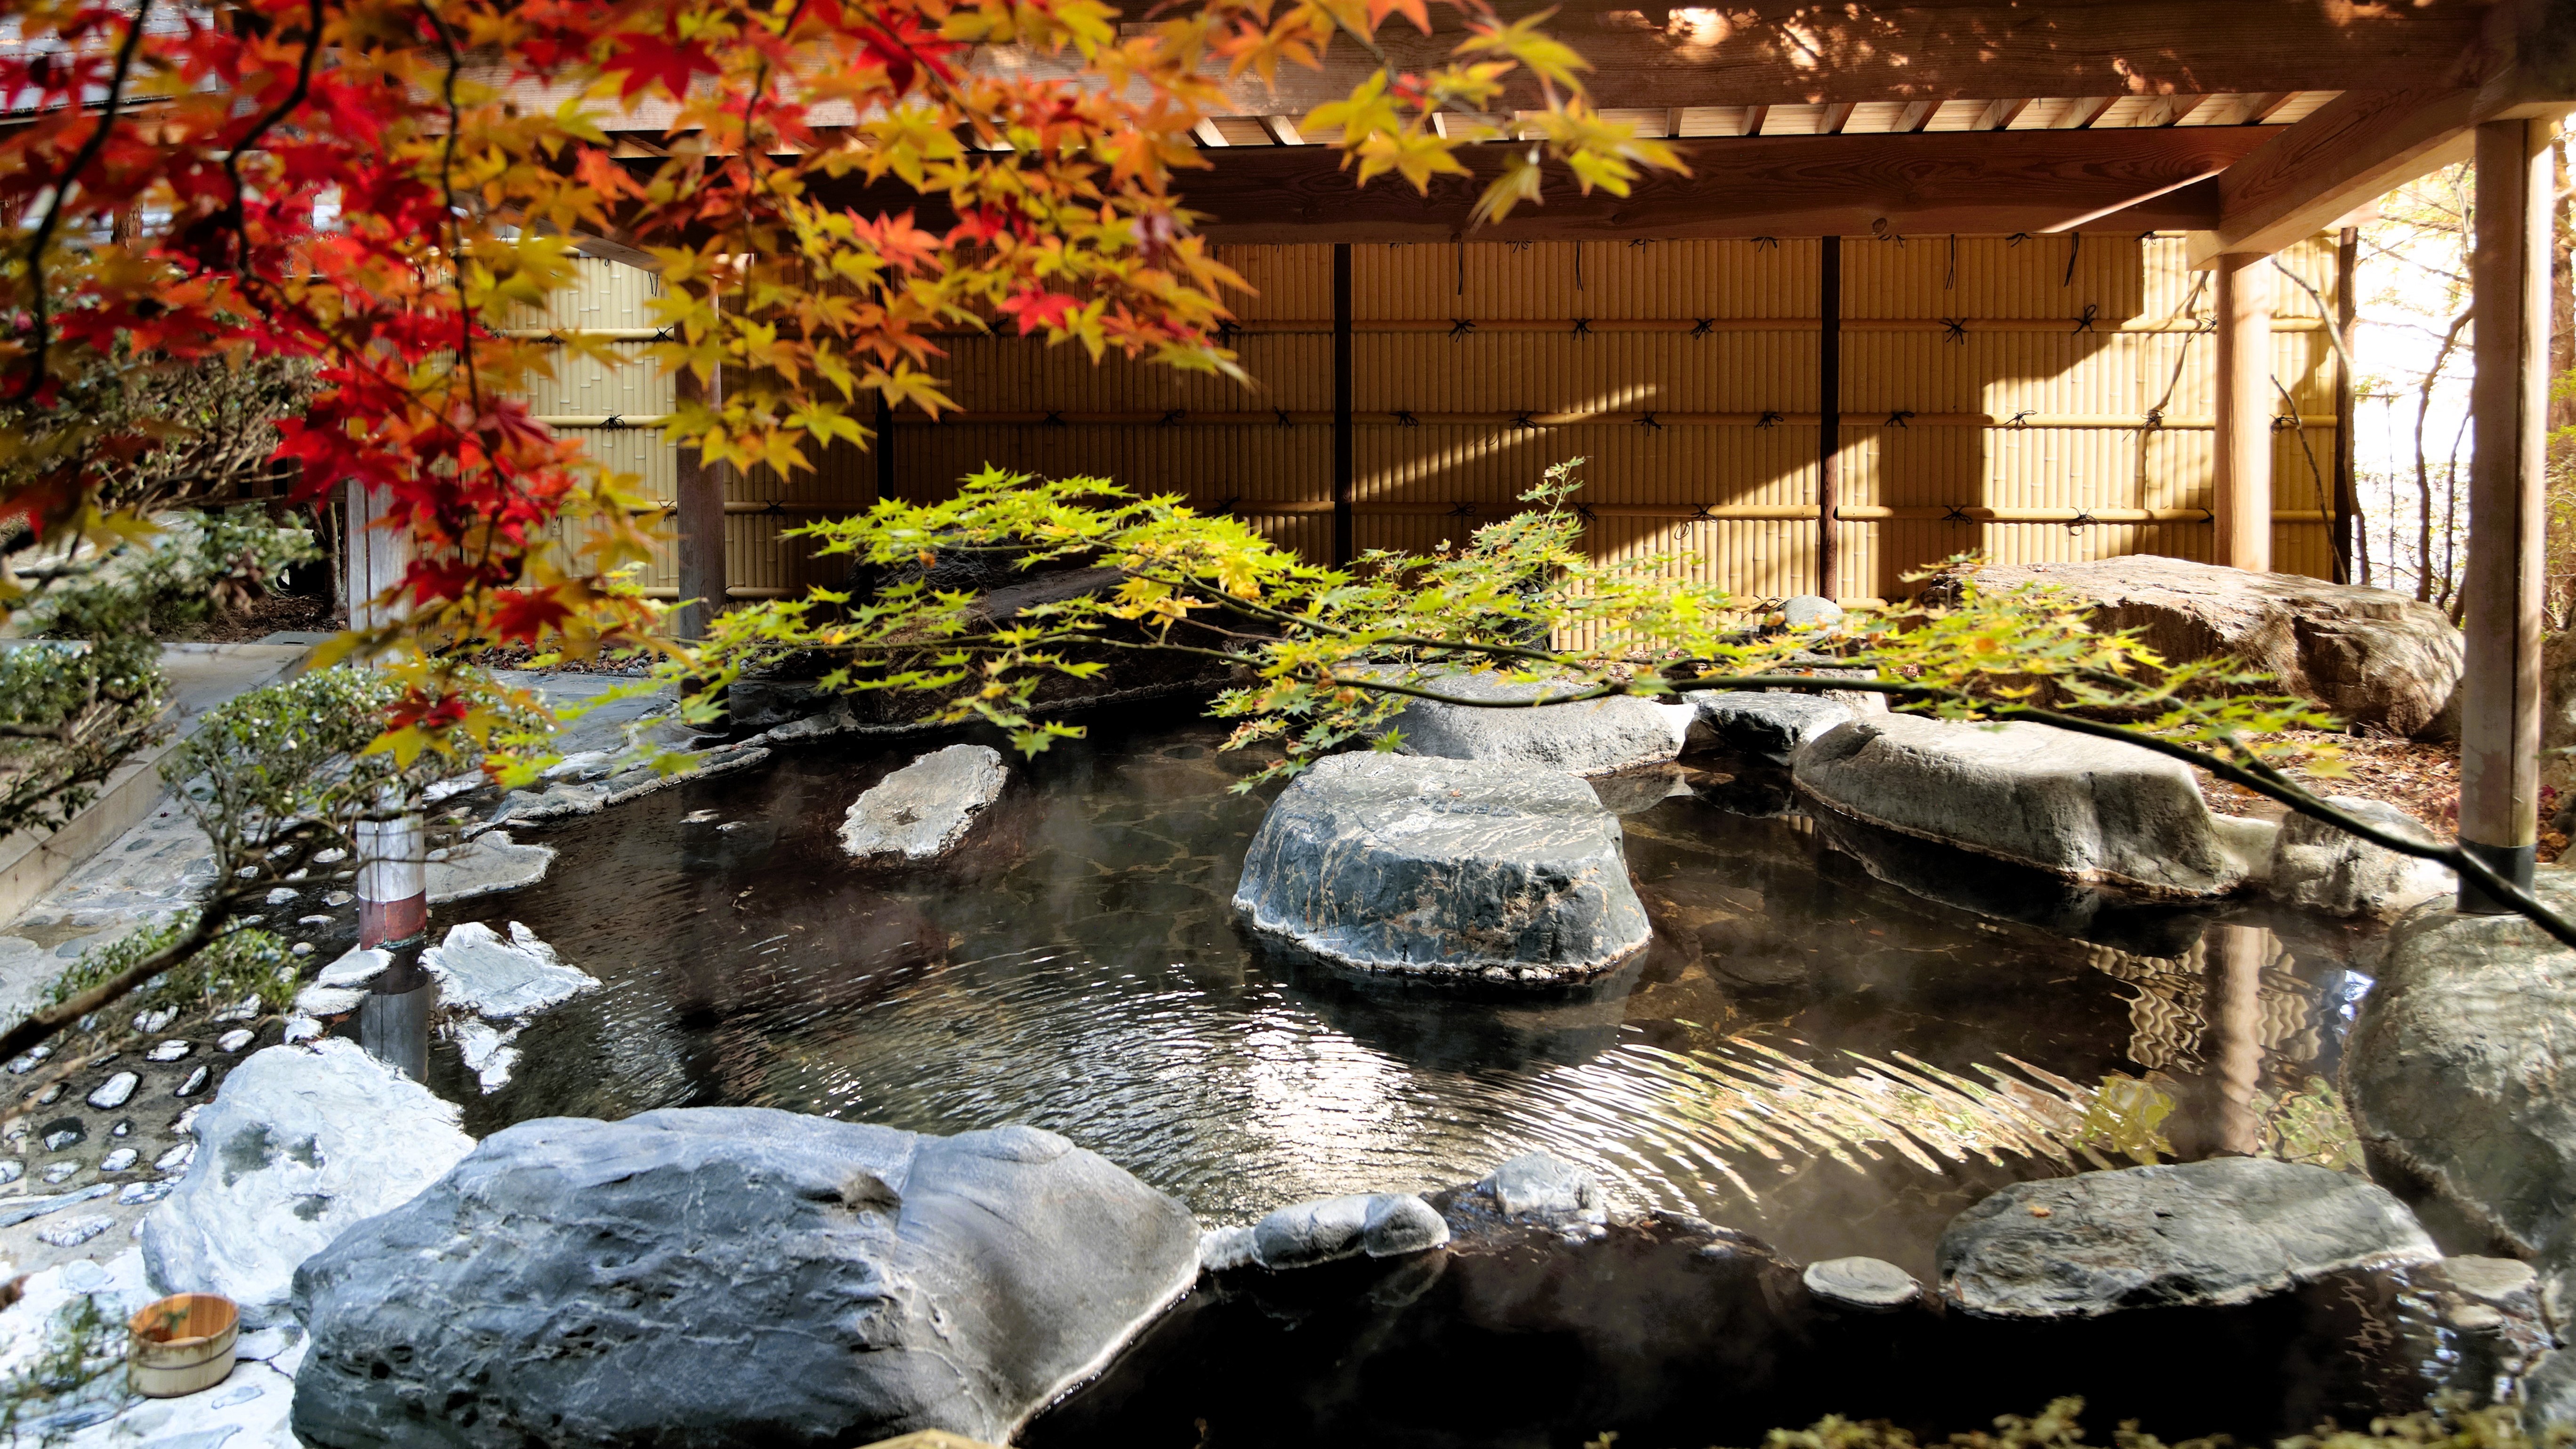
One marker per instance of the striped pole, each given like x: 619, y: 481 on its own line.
x: 393, y: 855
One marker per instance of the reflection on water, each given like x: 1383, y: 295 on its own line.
x: 1832, y: 1043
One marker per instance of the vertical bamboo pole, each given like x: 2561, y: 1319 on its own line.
x: 1343, y: 468
x: 2242, y: 504
x: 2349, y: 540
x: 1829, y: 425
x: 699, y: 520
x: 392, y: 855
x: 2508, y: 407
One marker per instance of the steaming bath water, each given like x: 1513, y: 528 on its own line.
x: 1808, y: 1053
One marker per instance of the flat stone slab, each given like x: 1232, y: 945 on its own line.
x: 1444, y: 868
x: 1594, y: 737
x: 926, y: 809
x: 488, y: 864
x: 2092, y: 810
x: 2325, y: 868
x: 488, y: 988
x: 2195, y: 1234
x: 757, y: 1276
x: 1761, y: 723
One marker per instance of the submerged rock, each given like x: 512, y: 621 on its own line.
x: 489, y: 987
x: 2328, y: 869
x: 719, y: 1276
x: 2454, y: 1072
x: 2370, y: 656
x: 2088, y: 809
x: 302, y: 1142
x: 1444, y: 868
x: 1872, y: 1285
x: 926, y: 809
x: 2196, y: 1234
x: 1593, y: 737
x: 1759, y: 723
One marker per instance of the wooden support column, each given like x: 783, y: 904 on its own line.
x: 699, y: 521
x: 885, y: 449
x: 2241, y: 490
x: 2350, y: 544
x: 1829, y: 420
x: 1343, y: 468
x: 2500, y: 692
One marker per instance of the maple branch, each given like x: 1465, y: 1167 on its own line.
x: 237, y: 211
x: 62, y: 189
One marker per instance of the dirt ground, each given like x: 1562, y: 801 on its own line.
x: 269, y: 614
x: 2421, y: 779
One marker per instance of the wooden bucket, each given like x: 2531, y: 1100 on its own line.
x: 182, y: 1344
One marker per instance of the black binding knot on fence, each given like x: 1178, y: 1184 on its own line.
x: 1900, y: 417
x: 1173, y: 418
x: 613, y: 420
x: 2155, y: 419
x: 2285, y: 423
x: 1767, y: 420
x: 1647, y: 420
x: 1954, y: 330
x: 1524, y: 420
x: 1052, y: 420
x: 1408, y: 420
x: 2084, y: 323
x: 1956, y: 514
x: 2081, y: 518
x: 1226, y: 332
x: 1460, y: 327
x: 1285, y: 421
x: 1760, y: 242
x: 2020, y: 419
x: 1582, y: 326
x: 1463, y: 510
x: 1702, y: 326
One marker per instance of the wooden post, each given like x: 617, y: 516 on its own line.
x: 2241, y: 504
x: 2500, y: 692
x: 885, y: 448
x: 1343, y: 468
x: 699, y: 521
x: 2233, y: 1043
x: 2351, y: 545
x: 1829, y: 420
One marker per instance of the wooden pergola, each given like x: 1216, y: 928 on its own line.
x: 2250, y: 124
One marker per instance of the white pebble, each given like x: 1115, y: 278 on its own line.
x: 235, y: 1039
x: 280, y: 896
x: 11, y: 1169
x: 121, y: 1160
x: 176, y: 1158
x: 169, y: 1051
x: 301, y: 948
x: 113, y: 1092
x: 24, y: 1064
x: 60, y: 1170
x: 76, y: 1232
x: 186, y: 1125
x: 196, y: 1083
x: 140, y: 1192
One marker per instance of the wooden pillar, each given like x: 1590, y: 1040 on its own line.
x: 699, y: 521
x: 2233, y: 1043
x: 1829, y: 420
x: 2351, y: 545
x: 2500, y: 692
x: 885, y: 449
x: 2242, y: 487
x: 1343, y: 468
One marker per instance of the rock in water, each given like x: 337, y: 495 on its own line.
x: 2324, y: 868
x: 486, y: 865
x: 2089, y: 809
x: 2223, y: 1231
x: 924, y: 810
x: 2371, y: 656
x: 1444, y: 868
x: 1550, y: 1189
x: 1380, y: 1225
x: 1773, y: 726
x: 301, y: 1142
x: 1872, y: 1285
x: 2454, y: 1072
x: 733, y: 1275
x: 488, y: 988
x: 1593, y: 737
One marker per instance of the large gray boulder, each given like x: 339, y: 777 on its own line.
x: 300, y: 1143
x: 1594, y: 737
x: 1444, y: 868
x: 733, y: 1275
x: 2092, y: 810
x: 2326, y: 868
x: 2195, y: 1234
x: 2455, y: 1073
x: 926, y: 809
x: 2370, y: 656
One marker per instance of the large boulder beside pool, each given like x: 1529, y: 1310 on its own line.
x: 2456, y: 1074
x: 2093, y: 810
x: 2196, y: 1234
x: 926, y: 809
x: 1592, y: 737
x: 1773, y: 726
x: 1444, y: 868
x: 733, y: 1275
x: 2368, y: 655
x: 300, y: 1143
